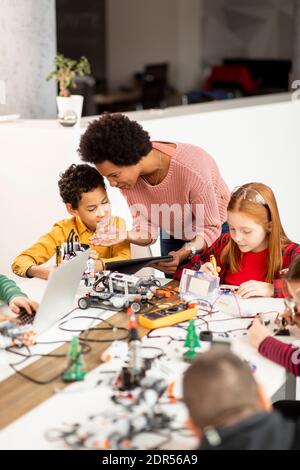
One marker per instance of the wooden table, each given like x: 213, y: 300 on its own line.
x: 19, y: 395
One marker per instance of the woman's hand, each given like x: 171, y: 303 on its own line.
x: 23, y: 302
x: 257, y: 333
x: 168, y: 267
x: 208, y: 268
x: 255, y: 289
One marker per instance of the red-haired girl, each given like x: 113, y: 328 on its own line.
x: 255, y: 251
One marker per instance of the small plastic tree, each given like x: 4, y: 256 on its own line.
x: 191, y: 342
x: 67, y: 70
x: 76, y: 370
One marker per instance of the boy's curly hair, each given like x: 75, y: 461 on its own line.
x: 78, y: 179
x: 116, y: 138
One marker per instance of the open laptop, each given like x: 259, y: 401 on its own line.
x: 59, y: 294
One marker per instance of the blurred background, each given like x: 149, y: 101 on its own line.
x: 148, y: 54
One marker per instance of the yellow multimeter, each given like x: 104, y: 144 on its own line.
x: 167, y: 317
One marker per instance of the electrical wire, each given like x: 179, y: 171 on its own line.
x: 85, y: 350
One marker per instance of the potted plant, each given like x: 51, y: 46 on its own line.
x: 65, y: 73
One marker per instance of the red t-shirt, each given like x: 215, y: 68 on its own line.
x: 253, y: 267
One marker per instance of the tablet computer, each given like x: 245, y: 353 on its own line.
x: 131, y: 266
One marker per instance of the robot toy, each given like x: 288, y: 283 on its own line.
x: 117, y: 291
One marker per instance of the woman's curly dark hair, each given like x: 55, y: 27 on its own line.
x: 116, y: 138
x: 78, y: 179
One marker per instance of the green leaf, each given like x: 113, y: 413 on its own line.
x: 67, y: 69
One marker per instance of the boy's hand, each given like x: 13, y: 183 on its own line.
x: 22, y: 302
x: 108, y: 237
x: 99, y: 266
x: 40, y: 271
x: 208, y: 268
x: 94, y: 255
x: 255, y: 289
x: 257, y: 333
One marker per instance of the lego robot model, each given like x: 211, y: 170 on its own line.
x: 136, y: 406
x: 134, y: 368
x: 119, y: 426
x: 89, y: 276
x: 12, y: 334
x: 116, y: 291
x: 69, y: 249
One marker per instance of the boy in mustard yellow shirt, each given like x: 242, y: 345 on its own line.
x: 83, y: 191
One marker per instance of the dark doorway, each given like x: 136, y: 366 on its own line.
x: 81, y: 31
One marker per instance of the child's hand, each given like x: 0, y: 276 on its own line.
x: 99, y: 266
x: 40, y: 271
x: 4, y: 317
x: 255, y: 289
x: 111, y: 236
x: 289, y: 318
x: 22, y: 302
x: 257, y: 333
x: 94, y: 255
x: 208, y: 268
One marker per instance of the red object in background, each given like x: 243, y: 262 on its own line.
x: 231, y: 75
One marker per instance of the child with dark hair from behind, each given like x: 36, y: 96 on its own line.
x: 229, y: 410
x: 83, y: 191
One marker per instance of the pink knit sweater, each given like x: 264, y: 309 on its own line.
x: 193, y: 193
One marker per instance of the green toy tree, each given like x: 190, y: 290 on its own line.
x: 191, y: 342
x: 76, y: 369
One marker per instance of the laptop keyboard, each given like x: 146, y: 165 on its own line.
x: 26, y: 319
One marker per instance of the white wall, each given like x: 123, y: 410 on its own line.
x: 32, y: 153
x: 252, y: 139
x: 140, y: 32
x: 27, y: 50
